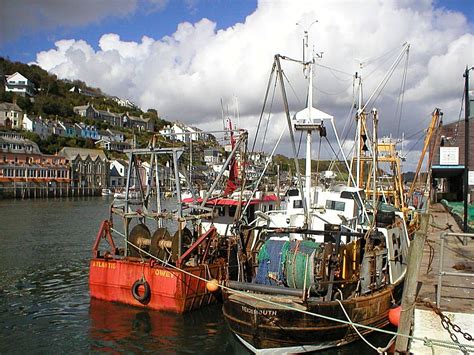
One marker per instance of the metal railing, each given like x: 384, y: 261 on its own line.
x: 465, y: 238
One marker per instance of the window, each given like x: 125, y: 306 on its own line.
x: 232, y: 210
x: 335, y: 205
x: 293, y: 192
x: 298, y: 204
x: 221, y: 210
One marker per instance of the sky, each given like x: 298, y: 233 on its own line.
x: 185, y: 57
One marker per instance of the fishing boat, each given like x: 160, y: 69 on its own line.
x: 234, y: 200
x: 165, y: 259
x: 316, y: 275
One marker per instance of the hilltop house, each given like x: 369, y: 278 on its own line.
x: 36, y: 125
x: 115, y: 119
x: 138, y: 123
x: 111, y: 118
x: 180, y: 132
x: 11, y: 115
x: 117, y: 135
x: 69, y: 129
x: 87, y: 131
x: 113, y: 145
x: 85, y: 92
x: 19, y: 84
x: 124, y: 102
x: 87, y: 111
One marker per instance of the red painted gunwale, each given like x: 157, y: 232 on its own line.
x: 171, y: 290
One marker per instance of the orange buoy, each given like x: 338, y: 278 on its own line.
x: 394, y: 315
x: 212, y: 285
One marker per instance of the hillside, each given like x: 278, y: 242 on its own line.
x: 54, y: 99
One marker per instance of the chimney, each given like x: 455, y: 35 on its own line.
x: 14, y: 99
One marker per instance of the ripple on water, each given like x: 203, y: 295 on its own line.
x: 44, y: 299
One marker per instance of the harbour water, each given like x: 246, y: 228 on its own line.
x: 44, y: 300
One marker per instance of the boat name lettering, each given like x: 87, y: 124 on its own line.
x: 103, y: 264
x: 263, y: 312
x: 164, y: 273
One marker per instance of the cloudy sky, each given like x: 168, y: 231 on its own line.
x: 183, y: 57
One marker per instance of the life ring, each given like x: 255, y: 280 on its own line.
x: 145, y: 297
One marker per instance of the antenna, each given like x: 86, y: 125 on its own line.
x: 306, y: 42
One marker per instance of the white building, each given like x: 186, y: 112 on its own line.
x: 180, y: 132
x: 19, y: 84
x: 118, y: 173
x: 124, y: 102
x: 11, y: 115
x: 37, y: 125
x: 212, y: 156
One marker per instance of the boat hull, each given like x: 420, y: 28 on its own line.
x: 267, y: 328
x: 170, y: 290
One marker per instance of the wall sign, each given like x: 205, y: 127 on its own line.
x: 470, y: 179
x: 449, y: 155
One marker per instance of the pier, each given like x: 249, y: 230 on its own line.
x: 456, y: 298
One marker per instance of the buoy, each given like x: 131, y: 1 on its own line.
x: 212, y: 285
x: 394, y: 315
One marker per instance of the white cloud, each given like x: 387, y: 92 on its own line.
x: 186, y: 74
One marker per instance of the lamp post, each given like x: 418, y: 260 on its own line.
x: 466, y: 147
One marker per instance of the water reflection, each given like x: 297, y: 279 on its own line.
x: 115, y: 327
x: 44, y: 297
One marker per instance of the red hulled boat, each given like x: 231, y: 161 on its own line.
x: 176, y: 267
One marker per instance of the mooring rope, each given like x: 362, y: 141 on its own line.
x: 425, y: 340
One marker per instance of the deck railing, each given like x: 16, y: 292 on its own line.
x: 464, y: 238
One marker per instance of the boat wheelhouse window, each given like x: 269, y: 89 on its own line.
x: 221, y: 210
x: 232, y: 210
x: 293, y: 192
x: 298, y: 204
x: 335, y: 205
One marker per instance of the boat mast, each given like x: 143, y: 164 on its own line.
x: 308, y: 68
x: 359, y: 118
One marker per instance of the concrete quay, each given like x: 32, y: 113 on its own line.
x: 457, y: 292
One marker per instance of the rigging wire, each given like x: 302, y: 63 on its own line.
x: 381, y: 64
x: 299, y: 143
x: 459, y: 118
x: 299, y: 102
x: 332, y: 70
x: 334, y: 93
x: 269, y: 114
x: 263, y: 107
x: 401, y: 95
x: 370, y: 61
x: 413, y: 146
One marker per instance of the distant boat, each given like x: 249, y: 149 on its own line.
x: 120, y: 195
x: 107, y: 192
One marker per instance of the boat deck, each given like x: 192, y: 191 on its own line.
x: 457, y: 296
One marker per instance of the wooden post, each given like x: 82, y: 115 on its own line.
x: 415, y: 254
